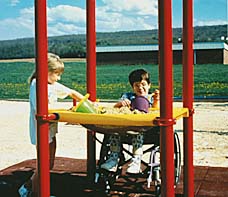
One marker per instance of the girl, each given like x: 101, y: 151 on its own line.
x: 55, y: 91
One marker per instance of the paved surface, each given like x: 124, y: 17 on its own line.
x: 69, y: 179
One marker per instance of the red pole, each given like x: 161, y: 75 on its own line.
x: 42, y: 98
x: 166, y: 95
x: 188, y: 96
x: 91, y: 79
x: 91, y: 49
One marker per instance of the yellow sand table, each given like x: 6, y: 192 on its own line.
x: 115, y: 122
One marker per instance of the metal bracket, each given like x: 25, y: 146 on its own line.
x: 191, y: 111
x: 164, y: 121
x: 47, y: 117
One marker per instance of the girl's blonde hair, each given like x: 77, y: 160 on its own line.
x: 55, y: 64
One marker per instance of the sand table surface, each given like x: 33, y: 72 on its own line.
x: 210, y: 134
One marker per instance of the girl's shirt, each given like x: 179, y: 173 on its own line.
x: 55, y: 91
x: 131, y: 96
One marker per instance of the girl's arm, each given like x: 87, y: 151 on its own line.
x: 76, y: 95
x: 63, y: 92
x: 32, y: 95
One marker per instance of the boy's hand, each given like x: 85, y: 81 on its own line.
x: 123, y: 103
x: 156, y: 94
x: 156, y: 97
x: 126, y: 103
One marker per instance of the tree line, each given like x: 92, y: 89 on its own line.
x: 74, y: 46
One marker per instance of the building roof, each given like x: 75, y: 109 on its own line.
x: 154, y: 47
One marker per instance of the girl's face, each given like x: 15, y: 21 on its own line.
x: 141, y: 88
x: 53, y: 77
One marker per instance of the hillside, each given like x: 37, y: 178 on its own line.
x: 74, y: 45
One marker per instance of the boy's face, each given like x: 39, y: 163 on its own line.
x: 141, y: 88
x: 53, y: 77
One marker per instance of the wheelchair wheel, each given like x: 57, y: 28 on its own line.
x: 155, y: 154
x: 177, y: 158
x: 157, y: 190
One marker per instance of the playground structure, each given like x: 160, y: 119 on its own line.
x: 165, y: 120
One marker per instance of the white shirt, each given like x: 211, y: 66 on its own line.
x: 55, y: 91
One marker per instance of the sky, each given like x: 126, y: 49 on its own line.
x: 69, y: 16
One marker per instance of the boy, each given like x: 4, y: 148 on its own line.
x: 140, y: 83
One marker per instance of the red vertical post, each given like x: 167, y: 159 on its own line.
x: 91, y: 48
x: 42, y: 98
x: 188, y: 96
x: 166, y: 97
x: 91, y: 79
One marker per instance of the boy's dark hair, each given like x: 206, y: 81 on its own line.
x: 139, y: 75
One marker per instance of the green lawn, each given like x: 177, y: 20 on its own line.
x: 112, y: 80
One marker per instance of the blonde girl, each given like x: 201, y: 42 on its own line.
x: 55, y: 91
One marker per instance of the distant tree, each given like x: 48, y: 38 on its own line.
x: 75, y: 45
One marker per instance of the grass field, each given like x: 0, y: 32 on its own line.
x: 112, y: 80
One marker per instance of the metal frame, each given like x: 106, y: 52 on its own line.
x: 188, y: 96
x: 91, y: 80
x: 166, y: 96
x: 42, y: 98
x: 166, y: 86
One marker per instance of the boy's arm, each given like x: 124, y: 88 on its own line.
x: 125, y: 100
x: 123, y: 103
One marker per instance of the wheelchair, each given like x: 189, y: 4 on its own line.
x: 151, y: 168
